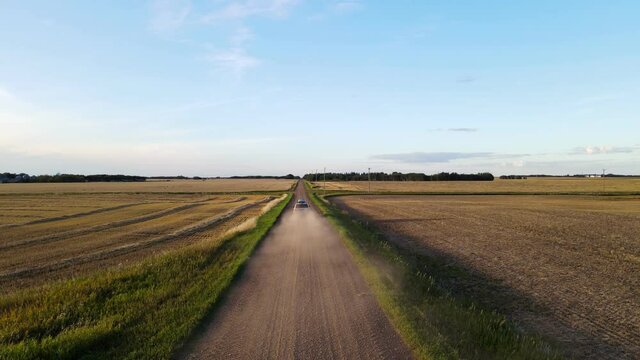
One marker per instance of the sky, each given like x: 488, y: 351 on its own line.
x: 226, y: 87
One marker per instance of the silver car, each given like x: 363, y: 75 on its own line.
x: 300, y: 204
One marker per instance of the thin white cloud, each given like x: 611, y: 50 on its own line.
x: 6, y: 95
x: 604, y: 149
x: 341, y: 7
x: 430, y: 157
x: 205, y: 104
x: 33, y: 141
x: 347, y: 6
x: 459, y: 129
x: 237, y: 10
x: 169, y: 15
x: 241, y: 36
x: 517, y: 163
x: 234, y: 60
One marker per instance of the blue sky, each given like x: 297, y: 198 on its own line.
x: 224, y: 87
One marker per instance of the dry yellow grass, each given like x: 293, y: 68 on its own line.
x: 214, y: 185
x: 82, y: 232
x: 552, y: 185
x: 566, y: 266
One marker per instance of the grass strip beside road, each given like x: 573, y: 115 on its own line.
x: 434, y: 323
x: 146, y: 311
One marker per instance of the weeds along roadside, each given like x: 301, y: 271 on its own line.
x: 146, y: 311
x: 434, y: 323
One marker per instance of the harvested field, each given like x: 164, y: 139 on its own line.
x: 537, y: 185
x: 39, y: 208
x: 58, y: 236
x: 564, y: 266
x: 143, y: 311
x: 170, y: 186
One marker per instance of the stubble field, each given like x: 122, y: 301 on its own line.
x: 122, y: 270
x: 54, y: 231
x: 530, y: 185
x: 156, y: 186
x: 564, y: 266
x: 45, y: 237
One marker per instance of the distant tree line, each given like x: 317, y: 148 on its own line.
x: 397, y: 176
x: 288, y: 176
x: 71, y: 178
x: 617, y: 175
x: 485, y: 176
x: 11, y: 177
x: 567, y: 175
x: 65, y: 178
x: 600, y: 175
x: 179, y: 177
x: 512, y: 177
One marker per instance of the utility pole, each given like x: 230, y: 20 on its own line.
x: 324, y: 185
x: 603, y: 183
x: 369, y: 176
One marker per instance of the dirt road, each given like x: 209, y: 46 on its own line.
x: 301, y: 296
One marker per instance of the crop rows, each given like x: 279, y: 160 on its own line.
x: 563, y: 266
x: 151, y: 186
x: 530, y: 185
x: 84, y: 232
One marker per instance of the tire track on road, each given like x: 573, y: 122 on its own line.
x: 299, y: 297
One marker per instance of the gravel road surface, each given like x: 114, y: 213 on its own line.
x: 301, y: 296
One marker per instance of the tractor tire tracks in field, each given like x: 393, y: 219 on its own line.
x: 111, y: 225
x: 71, y: 216
x: 130, y: 247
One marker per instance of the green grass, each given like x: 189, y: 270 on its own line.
x: 434, y: 322
x: 146, y: 311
